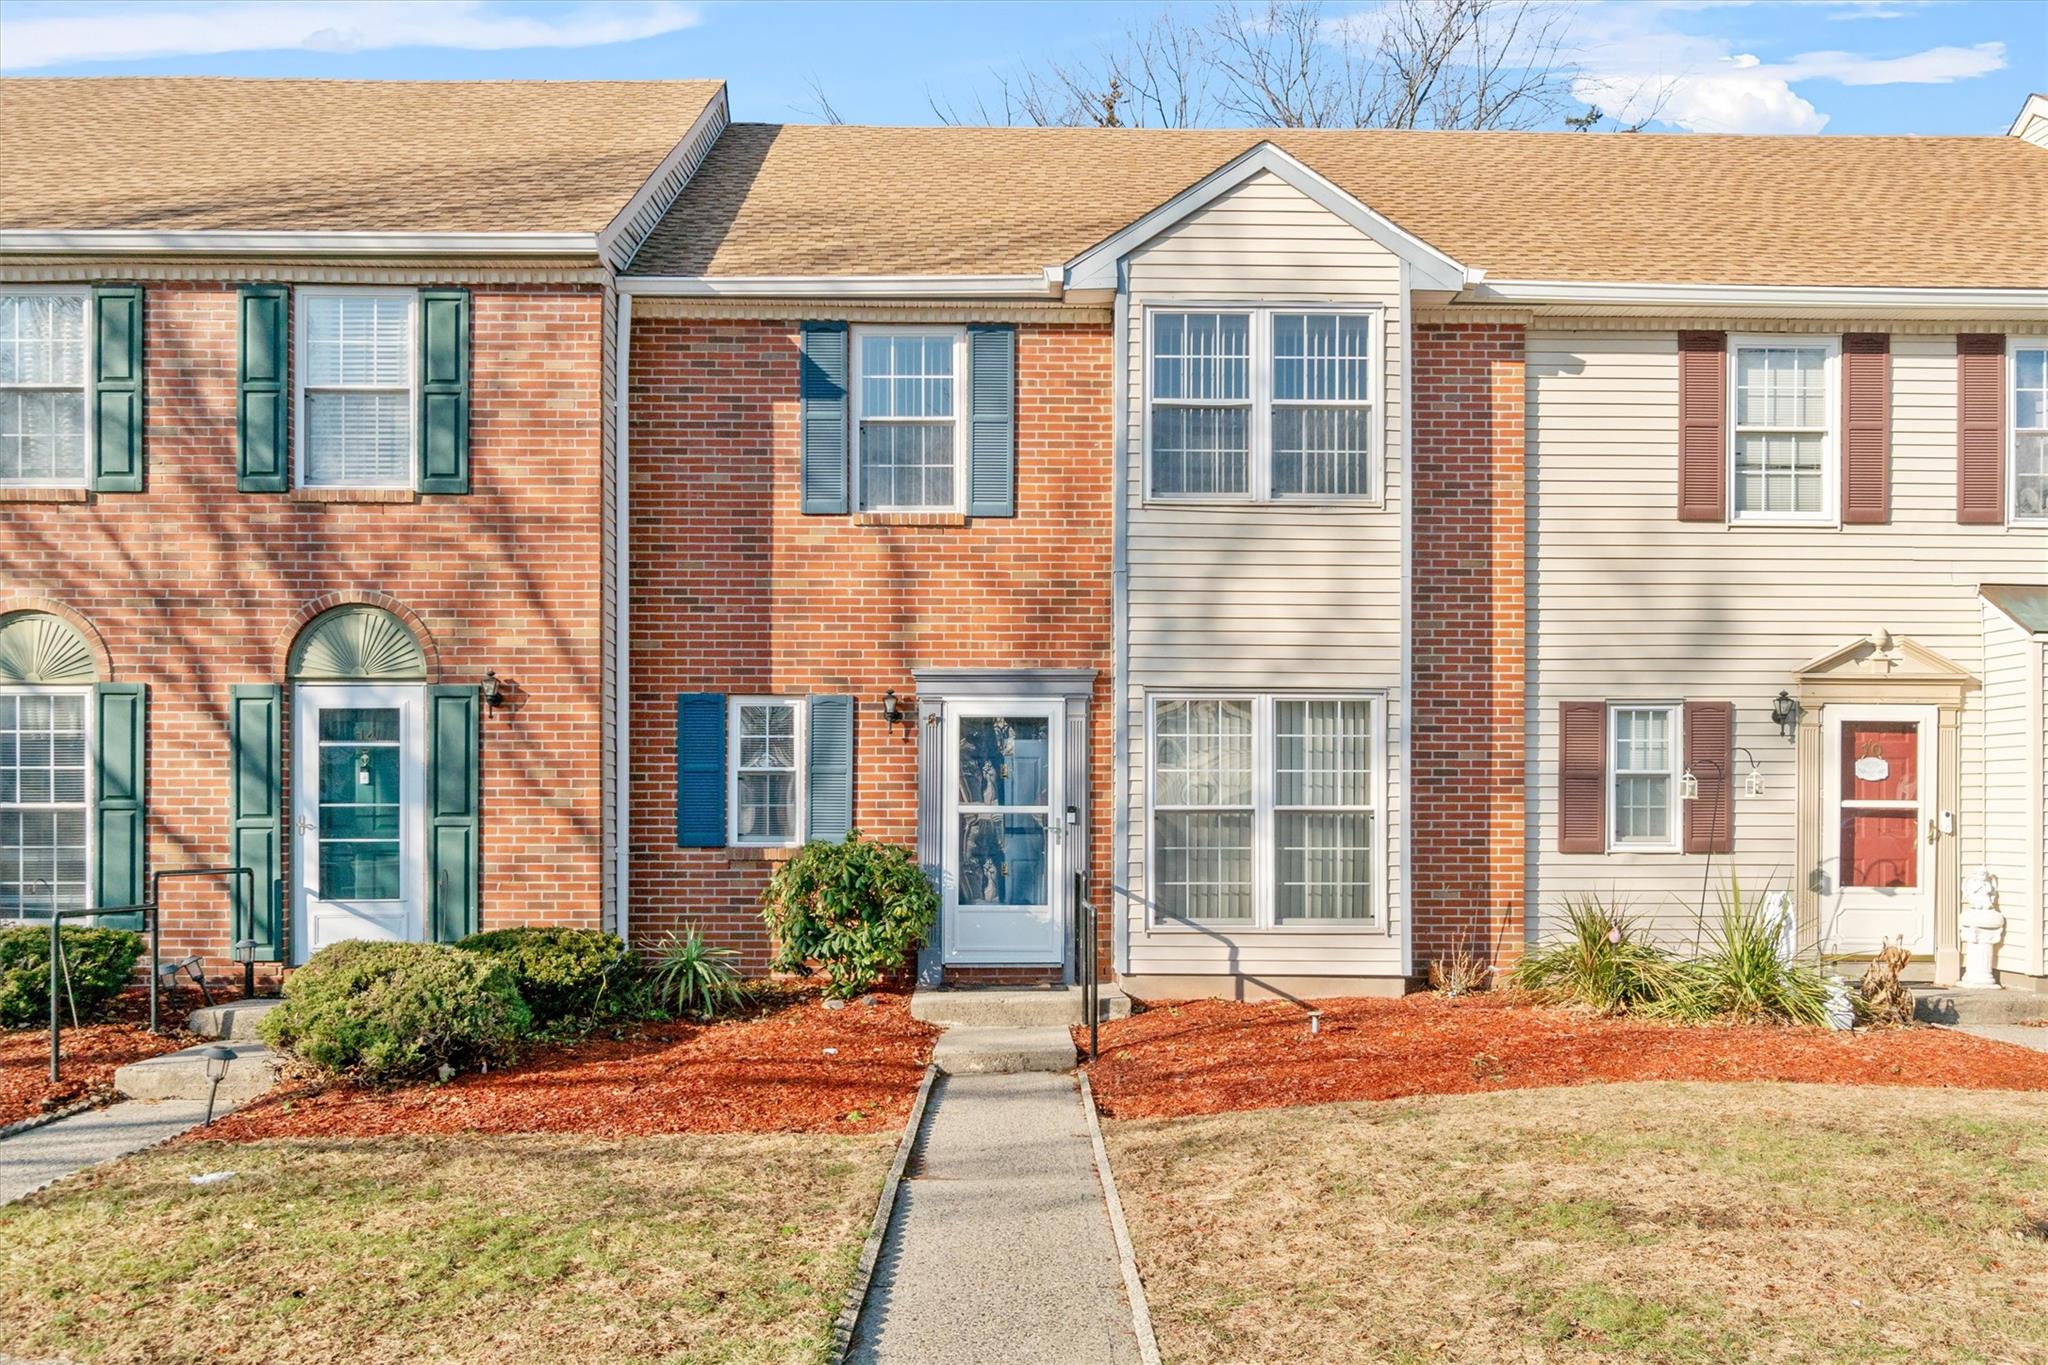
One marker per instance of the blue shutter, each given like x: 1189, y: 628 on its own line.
x: 454, y: 812
x: 700, y: 770
x: 121, y: 773
x: 823, y: 407
x: 829, y: 781
x: 256, y: 813
x: 444, y: 391
x: 261, y: 393
x: 992, y: 421
x: 117, y: 388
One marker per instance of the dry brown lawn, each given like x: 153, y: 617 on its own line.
x: 721, y: 1248
x: 1666, y: 1221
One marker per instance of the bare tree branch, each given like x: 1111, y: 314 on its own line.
x: 820, y: 107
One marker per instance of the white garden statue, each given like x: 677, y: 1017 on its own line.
x: 1982, y: 925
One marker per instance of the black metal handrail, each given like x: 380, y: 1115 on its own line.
x: 1087, y: 971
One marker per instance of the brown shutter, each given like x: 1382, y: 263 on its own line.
x: 1710, y: 757
x: 1702, y: 426
x: 1980, y: 429
x: 1582, y: 777
x: 1866, y: 428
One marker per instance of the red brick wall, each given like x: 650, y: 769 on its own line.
x: 1469, y: 647
x: 734, y: 590
x: 195, y: 587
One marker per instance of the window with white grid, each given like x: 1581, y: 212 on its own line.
x: 357, y: 401
x: 1782, y: 431
x: 2030, y: 431
x: 1322, y: 405
x: 910, y: 441
x: 1201, y: 396
x: 45, y: 788
x: 43, y: 378
x: 1323, y: 808
x: 766, y: 756
x: 1642, y: 773
x: 1203, y: 810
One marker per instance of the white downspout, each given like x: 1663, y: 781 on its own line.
x: 622, y: 617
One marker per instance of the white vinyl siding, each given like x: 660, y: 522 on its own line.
x: 45, y: 363
x: 2028, y: 413
x: 765, y: 760
x: 1781, y: 400
x: 1642, y: 778
x: 357, y: 372
x: 1244, y: 597
x: 1728, y: 614
x: 907, y: 398
x: 2015, y: 795
x: 45, y: 801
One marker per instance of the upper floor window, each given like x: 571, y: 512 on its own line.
x: 1262, y: 404
x: 43, y: 378
x: 911, y: 442
x: 767, y: 766
x: 1643, y: 773
x: 2029, y: 431
x: 1783, y: 430
x: 357, y: 387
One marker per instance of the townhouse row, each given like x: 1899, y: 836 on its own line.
x: 476, y: 505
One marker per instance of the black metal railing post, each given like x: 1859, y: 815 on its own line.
x: 1087, y: 972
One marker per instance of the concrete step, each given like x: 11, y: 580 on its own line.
x: 1003, y: 1051
x: 1933, y: 1005
x: 182, y: 1075
x: 1011, y: 1008
x: 238, y: 1019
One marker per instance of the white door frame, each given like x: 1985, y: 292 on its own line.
x: 1839, y: 902
x: 1051, y: 951
x: 404, y: 919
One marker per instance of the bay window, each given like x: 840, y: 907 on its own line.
x: 44, y: 342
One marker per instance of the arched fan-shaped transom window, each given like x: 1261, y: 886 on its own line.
x: 37, y: 648
x: 357, y: 644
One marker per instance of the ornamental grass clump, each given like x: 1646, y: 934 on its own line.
x: 1744, y: 977
x: 97, y: 964
x: 858, y: 909
x: 1601, y: 962
x: 691, y: 978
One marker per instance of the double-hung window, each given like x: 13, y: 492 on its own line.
x: 766, y: 791
x: 911, y: 441
x: 1266, y: 810
x: 1262, y: 404
x: 45, y: 790
x: 2029, y: 462
x: 44, y: 367
x: 1642, y: 775
x: 1783, y: 466
x: 358, y: 396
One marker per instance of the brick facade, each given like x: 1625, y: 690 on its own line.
x: 734, y: 590
x: 193, y: 587
x: 1469, y: 649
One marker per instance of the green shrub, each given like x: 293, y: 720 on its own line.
x: 1742, y: 977
x: 569, y: 978
x: 381, y: 1013
x: 858, y: 908
x: 101, y: 962
x: 1601, y: 962
x: 691, y: 977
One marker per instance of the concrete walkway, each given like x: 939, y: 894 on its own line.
x: 2019, y: 1035
x: 31, y: 1160
x: 1000, y: 1248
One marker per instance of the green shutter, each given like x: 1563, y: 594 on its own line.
x: 829, y: 781
x: 117, y: 388
x: 454, y: 812
x: 822, y: 414
x: 992, y: 421
x: 262, y: 396
x: 120, y: 784
x: 256, y: 814
x: 444, y: 391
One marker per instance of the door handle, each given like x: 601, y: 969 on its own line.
x: 1933, y: 831
x: 305, y: 825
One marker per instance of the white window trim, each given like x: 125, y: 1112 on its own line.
x: 2013, y: 346
x: 1674, y: 840
x: 1831, y: 430
x: 91, y: 783
x: 800, y: 724
x: 300, y: 442
x: 961, y: 398
x: 1261, y: 403
x: 91, y: 443
x: 1265, y: 895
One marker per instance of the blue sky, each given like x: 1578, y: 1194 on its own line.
x: 1839, y: 66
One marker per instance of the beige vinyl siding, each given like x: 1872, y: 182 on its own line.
x: 1629, y: 603
x: 2012, y: 785
x: 1272, y: 596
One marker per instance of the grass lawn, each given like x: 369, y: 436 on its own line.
x: 699, y: 1247
x: 1669, y: 1221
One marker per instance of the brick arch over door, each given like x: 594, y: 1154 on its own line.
x: 310, y: 618
x: 38, y: 635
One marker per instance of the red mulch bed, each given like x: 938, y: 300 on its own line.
x: 1212, y: 1056
x: 796, y: 1068
x: 91, y: 1052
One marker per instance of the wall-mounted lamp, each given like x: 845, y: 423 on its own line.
x: 1785, y: 715
x: 492, y: 691
x: 892, y: 707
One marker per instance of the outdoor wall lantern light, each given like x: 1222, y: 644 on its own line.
x: 892, y: 707
x: 217, y: 1059
x: 492, y: 691
x: 1785, y: 715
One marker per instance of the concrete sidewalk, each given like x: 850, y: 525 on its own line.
x: 1000, y: 1248
x: 31, y: 1160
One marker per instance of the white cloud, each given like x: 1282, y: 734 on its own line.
x: 138, y: 32
x: 1935, y: 66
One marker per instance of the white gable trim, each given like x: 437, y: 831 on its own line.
x: 628, y: 230
x: 1428, y: 268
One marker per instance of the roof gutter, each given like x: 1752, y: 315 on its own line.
x: 1037, y: 286
x: 218, y: 243
x: 1605, y: 294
